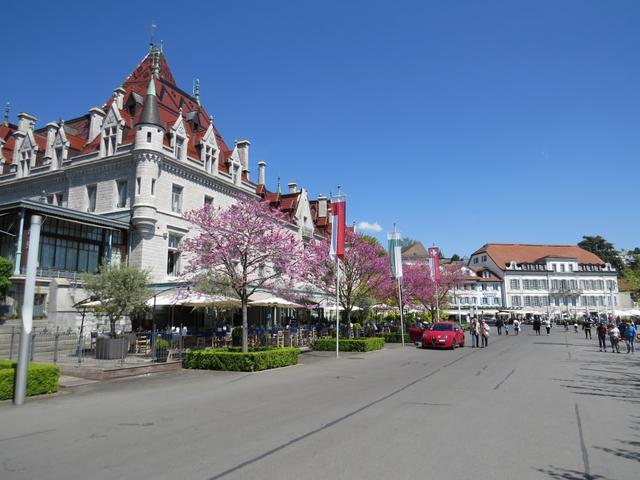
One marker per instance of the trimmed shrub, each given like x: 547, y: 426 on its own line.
x: 232, y: 359
x: 395, y: 338
x: 41, y: 379
x: 350, y: 345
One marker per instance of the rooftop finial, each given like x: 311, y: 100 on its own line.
x: 196, y: 90
x: 279, y: 184
x: 5, y: 119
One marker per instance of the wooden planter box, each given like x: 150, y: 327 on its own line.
x: 111, y: 348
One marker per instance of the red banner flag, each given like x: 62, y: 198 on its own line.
x: 338, y: 226
x: 434, y: 263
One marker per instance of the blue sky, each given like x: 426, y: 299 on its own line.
x: 463, y: 122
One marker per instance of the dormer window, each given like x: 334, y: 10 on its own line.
x: 235, y: 173
x: 109, y: 140
x: 179, y: 139
x: 58, y: 156
x: 25, y: 163
x: 209, y: 158
x: 179, y: 148
x: 111, y: 132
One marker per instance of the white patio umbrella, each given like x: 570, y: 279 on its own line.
x: 274, y: 302
x: 197, y: 299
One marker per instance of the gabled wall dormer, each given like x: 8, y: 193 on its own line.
x: 179, y: 139
x: 57, y: 145
x: 3, y: 160
x: 111, y: 132
x: 60, y: 147
x: 96, y: 118
x: 235, y: 167
x: 303, y: 217
x: 209, y: 151
x: 24, y: 156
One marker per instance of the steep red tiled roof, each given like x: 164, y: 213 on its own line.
x: 504, y: 253
x: 171, y: 101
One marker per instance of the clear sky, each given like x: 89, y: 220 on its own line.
x: 464, y: 122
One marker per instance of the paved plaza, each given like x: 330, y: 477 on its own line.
x: 526, y: 407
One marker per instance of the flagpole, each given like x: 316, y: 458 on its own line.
x: 337, y: 307
x: 401, y: 309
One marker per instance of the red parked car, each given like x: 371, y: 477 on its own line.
x: 443, y: 335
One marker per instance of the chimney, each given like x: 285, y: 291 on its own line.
x: 322, y: 206
x: 261, y: 171
x: 95, y: 124
x: 293, y: 187
x: 25, y: 122
x: 52, y: 130
x: 243, y: 153
x: 118, y: 97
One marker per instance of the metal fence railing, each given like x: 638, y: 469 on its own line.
x: 134, y: 348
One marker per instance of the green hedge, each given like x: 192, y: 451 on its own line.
x: 350, y: 344
x: 41, y: 378
x: 395, y: 338
x: 261, y: 358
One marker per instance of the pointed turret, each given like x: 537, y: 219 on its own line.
x: 150, y: 114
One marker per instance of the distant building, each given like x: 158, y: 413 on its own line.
x: 549, y: 279
x: 480, y: 293
x: 415, y: 253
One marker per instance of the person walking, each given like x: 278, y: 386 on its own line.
x: 630, y: 337
x: 516, y: 326
x: 536, y: 326
x: 601, y: 331
x: 484, y: 330
x: 586, y: 326
x: 473, y: 331
x: 499, y: 325
x: 614, y: 337
x: 547, y: 325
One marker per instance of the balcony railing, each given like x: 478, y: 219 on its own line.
x: 565, y: 291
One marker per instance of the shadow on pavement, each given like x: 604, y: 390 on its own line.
x: 623, y: 389
x: 567, y: 474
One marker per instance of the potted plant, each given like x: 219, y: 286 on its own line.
x: 117, y: 290
x: 161, y: 349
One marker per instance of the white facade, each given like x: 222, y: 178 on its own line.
x: 554, y: 285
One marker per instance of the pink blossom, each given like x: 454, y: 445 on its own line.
x: 364, y: 271
x: 243, y: 248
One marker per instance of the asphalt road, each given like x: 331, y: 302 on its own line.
x: 526, y: 407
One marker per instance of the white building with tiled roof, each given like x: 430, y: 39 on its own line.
x: 550, y: 279
x: 479, y: 293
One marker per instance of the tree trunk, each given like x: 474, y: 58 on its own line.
x: 245, y: 327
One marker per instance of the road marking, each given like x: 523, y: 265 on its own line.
x: 338, y: 420
x: 26, y: 435
x: 583, y: 447
x: 505, y: 379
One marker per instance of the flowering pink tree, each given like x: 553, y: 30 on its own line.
x: 244, y: 248
x: 364, y: 271
x: 421, y: 289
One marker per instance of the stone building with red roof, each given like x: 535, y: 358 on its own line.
x: 116, y: 180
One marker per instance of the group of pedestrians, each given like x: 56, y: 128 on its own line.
x: 537, y: 323
x: 627, y: 331
x: 479, y: 330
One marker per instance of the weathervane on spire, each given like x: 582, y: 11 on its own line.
x: 7, y: 108
x: 196, y: 90
x: 153, y: 33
